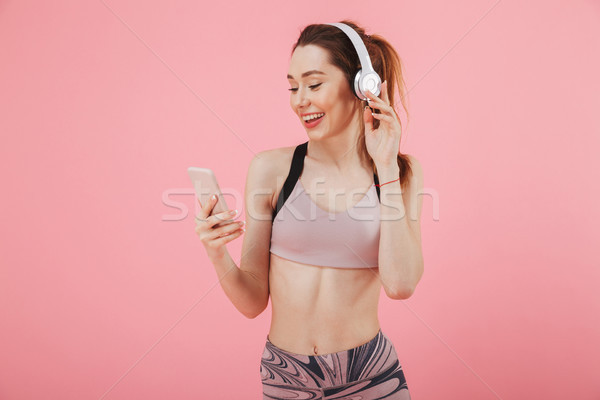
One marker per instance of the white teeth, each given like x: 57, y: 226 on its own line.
x: 312, y: 116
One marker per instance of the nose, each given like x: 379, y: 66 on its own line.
x: 301, y: 99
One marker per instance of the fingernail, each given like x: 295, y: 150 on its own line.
x: 214, y: 197
x: 233, y: 212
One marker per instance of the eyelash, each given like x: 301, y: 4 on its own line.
x: 312, y: 87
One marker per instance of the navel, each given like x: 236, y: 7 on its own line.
x: 315, y: 349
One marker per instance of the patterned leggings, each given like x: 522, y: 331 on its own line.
x: 367, y: 372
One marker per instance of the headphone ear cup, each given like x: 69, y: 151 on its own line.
x: 357, y: 91
x: 369, y: 81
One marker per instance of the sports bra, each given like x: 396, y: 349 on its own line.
x: 305, y: 233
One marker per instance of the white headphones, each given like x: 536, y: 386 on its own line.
x: 366, y: 78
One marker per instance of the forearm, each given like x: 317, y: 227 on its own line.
x: 400, y: 255
x: 243, y: 290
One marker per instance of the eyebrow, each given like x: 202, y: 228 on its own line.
x: 307, y: 73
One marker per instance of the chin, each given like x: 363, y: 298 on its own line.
x: 312, y: 135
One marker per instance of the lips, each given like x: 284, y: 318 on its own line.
x: 313, y: 122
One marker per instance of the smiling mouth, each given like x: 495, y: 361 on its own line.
x: 312, y: 117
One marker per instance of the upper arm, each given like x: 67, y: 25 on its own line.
x: 258, y: 193
x: 413, y: 199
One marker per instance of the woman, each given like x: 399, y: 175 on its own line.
x: 323, y: 259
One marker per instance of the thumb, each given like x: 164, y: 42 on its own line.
x: 368, y: 118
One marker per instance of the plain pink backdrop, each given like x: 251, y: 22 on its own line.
x: 105, y: 290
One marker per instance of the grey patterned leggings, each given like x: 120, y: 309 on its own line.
x: 367, y: 372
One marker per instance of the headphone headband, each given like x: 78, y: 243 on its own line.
x: 366, y: 78
x: 363, y: 54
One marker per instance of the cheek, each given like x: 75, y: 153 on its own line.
x: 329, y: 100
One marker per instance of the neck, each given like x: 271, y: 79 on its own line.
x: 341, y: 151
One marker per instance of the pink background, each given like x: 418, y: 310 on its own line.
x: 107, y: 293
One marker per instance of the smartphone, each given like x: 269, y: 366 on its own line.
x: 205, y: 185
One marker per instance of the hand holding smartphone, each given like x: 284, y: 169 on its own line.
x: 205, y: 185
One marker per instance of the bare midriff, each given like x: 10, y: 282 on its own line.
x: 319, y: 310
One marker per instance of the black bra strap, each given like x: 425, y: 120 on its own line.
x: 292, y: 178
x: 376, y: 179
x: 294, y: 175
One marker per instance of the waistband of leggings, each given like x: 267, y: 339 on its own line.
x: 379, y: 335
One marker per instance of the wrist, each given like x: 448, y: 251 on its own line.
x: 388, y: 173
x: 223, y: 263
x: 216, y: 256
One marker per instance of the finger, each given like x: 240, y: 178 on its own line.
x: 368, y: 118
x: 210, y: 204
x: 208, y: 226
x: 385, y: 109
x: 371, y: 96
x: 226, y: 239
x: 206, y: 210
x: 378, y: 103
x: 219, y: 241
x: 221, y: 219
x: 216, y: 227
x: 227, y: 214
x: 228, y: 229
x: 383, y: 97
x: 383, y: 117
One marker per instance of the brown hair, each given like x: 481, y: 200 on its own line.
x: 386, y: 63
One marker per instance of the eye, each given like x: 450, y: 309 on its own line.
x: 311, y: 86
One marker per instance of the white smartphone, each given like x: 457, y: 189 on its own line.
x: 205, y: 185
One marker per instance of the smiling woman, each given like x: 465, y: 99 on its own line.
x: 324, y: 261
x: 322, y: 77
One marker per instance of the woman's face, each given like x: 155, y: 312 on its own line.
x: 318, y: 88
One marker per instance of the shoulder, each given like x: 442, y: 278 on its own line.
x: 268, y: 170
x: 272, y: 163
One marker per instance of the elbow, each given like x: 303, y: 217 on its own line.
x: 400, y: 293
x: 403, y: 290
x: 251, y: 314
